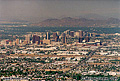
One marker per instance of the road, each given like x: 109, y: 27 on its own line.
x: 81, y: 63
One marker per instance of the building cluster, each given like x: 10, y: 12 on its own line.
x: 66, y: 37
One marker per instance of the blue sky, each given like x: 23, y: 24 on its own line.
x: 43, y: 9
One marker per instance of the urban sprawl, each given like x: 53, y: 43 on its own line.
x: 60, y: 56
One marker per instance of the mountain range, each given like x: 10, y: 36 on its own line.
x: 79, y: 22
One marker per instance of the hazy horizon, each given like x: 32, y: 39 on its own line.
x: 34, y: 10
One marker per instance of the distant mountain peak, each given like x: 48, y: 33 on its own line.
x: 78, y: 22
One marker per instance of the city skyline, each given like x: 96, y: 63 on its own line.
x: 37, y: 10
x: 59, y: 40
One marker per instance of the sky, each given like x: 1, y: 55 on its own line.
x: 36, y: 10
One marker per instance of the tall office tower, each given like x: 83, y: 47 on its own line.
x: 27, y: 38
x: 77, y: 34
x: 36, y: 38
x: 81, y: 33
x: 56, y: 38
x: 72, y: 33
x: 87, y: 39
x: 17, y: 41
x: 48, y: 36
x: 64, y: 39
x: 80, y: 40
x: 67, y: 32
x: 14, y: 43
x: 54, y: 35
x: 20, y: 41
x: 58, y: 33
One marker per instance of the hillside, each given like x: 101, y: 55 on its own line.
x: 78, y: 22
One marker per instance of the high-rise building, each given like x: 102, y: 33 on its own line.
x: 72, y: 33
x: 67, y: 32
x: 56, y: 38
x: 64, y: 38
x: 27, y: 38
x: 48, y: 36
x: 87, y: 39
x: 20, y: 41
x: 54, y: 35
x: 81, y: 33
x: 14, y: 43
x: 77, y: 34
x: 58, y: 33
x: 36, y: 38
